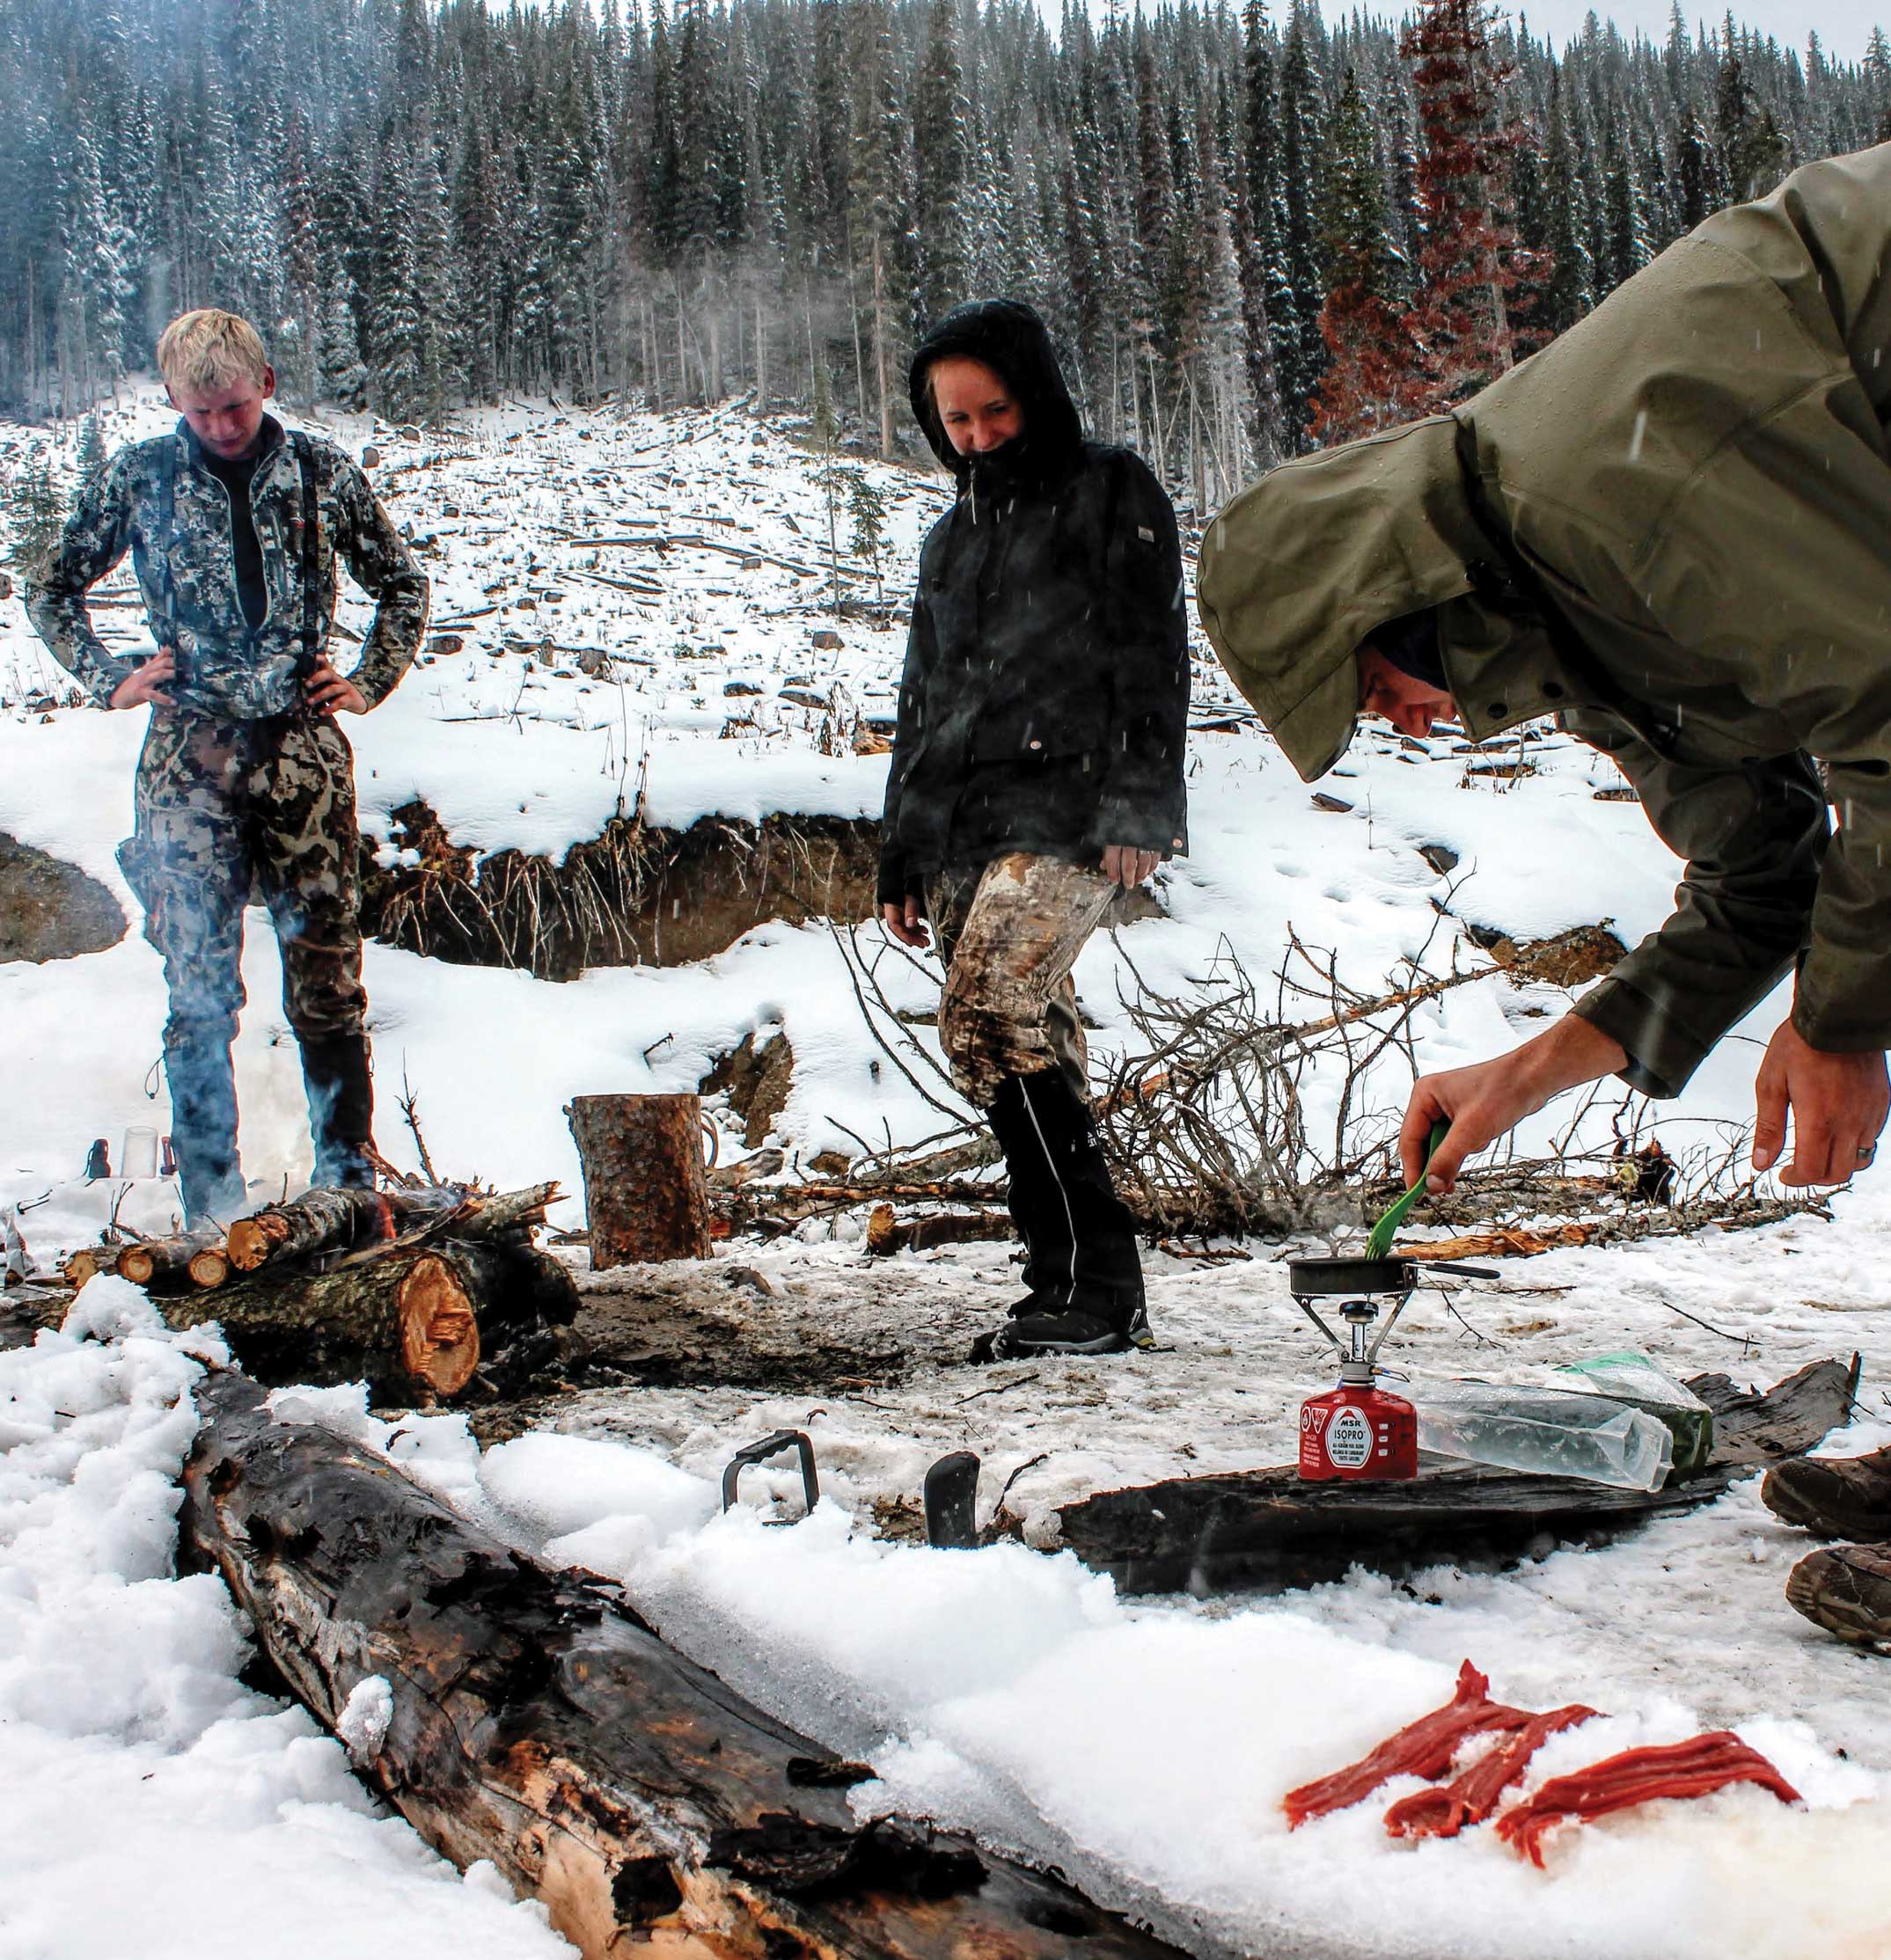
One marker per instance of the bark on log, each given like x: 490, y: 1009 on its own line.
x: 1266, y: 1528
x: 539, y: 1724
x: 167, y: 1264
x: 406, y: 1323
x: 322, y: 1222
x: 645, y: 1197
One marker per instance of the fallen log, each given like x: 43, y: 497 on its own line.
x: 538, y: 1722
x: 319, y: 1221
x: 1268, y: 1529
x: 209, y: 1267
x: 1503, y: 1242
x: 408, y: 1323
x: 886, y: 1234
x: 496, y: 1214
x: 171, y: 1264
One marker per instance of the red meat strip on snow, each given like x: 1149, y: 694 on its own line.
x: 1693, y: 1768
x: 1470, y: 1798
x: 1421, y: 1748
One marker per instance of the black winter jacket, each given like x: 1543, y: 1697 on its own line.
x: 1044, y: 702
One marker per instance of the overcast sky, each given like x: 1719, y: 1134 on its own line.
x: 1843, y: 26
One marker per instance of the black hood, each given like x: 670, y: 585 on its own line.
x: 1007, y: 336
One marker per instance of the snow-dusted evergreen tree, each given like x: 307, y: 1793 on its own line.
x: 942, y: 164
x: 1753, y: 148
x: 1375, y: 374
x: 684, y: 198
x: 1302, y: 360
x: 397, y: 334
x: 343, y: 373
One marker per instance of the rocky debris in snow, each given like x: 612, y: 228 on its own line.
x: 1570, y: 959
x: 50, y: 909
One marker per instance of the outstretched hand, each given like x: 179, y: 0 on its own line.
x: 1490, y: 1098
x: 1838, y: 1104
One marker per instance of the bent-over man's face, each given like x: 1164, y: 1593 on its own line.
x: 228, y: 420
x: 1412, y: 705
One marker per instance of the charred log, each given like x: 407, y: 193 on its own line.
x: 538, y: 1722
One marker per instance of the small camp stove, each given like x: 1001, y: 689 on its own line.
x: 1360, y: 1431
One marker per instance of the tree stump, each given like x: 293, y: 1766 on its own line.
x: 645, y: 1196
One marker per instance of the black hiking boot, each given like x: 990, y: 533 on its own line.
x: 1044, y: 1327
x: 1846, y: 1589
x: 1039, y: 1325
x: 1845, y: 1497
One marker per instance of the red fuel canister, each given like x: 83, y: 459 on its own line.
x: 1357, y: 1432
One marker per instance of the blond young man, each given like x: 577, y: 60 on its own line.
x: 235, y: 527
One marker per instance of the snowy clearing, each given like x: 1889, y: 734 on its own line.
x: 1142, y: 1744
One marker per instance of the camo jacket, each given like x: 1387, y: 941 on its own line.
x: 227, y: 669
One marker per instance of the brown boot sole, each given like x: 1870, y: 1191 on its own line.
x: 1823, y: 1505
x: 1847, y: 1594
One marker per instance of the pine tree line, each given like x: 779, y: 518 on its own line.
x: 1248, y: 233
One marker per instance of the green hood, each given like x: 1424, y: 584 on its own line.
x: 1298, y: 570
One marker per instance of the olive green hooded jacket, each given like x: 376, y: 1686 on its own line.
x: 1672, y: 527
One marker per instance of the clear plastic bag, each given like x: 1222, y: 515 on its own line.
x: 1545, y: 1432
x: 1638, y: 1379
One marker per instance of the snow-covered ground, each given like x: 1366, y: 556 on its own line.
x: 1141, y: 1745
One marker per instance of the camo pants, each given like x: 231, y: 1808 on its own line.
x: 221, y: 807
x: 1009, y: 932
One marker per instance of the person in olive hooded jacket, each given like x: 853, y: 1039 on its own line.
x: 1672, y: 528
x: 1037, y: 773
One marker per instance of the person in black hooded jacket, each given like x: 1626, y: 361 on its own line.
x: 1037, y: 774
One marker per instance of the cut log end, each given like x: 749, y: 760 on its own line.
x: 82, y: 1266
x: 439, y: 1330
x: 138, y: 1263
x: 209, y: 1267
x: 253, y: 1241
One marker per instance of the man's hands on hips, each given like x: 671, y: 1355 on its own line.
x: 144, y: 684
x: 1484, y: 1101
x: 325, y: 690
x: 1125, y: 865
x: 906, y: 920
x: 1838, y: 1104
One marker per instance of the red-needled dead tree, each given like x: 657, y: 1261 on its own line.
x: 1470, y: 265
x: 1376, y: 375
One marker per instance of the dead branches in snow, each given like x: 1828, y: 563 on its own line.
x: 1232, y: 1114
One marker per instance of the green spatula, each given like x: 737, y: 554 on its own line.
x: 1380, y: 1245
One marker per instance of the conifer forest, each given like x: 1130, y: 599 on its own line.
x: 1251, y: 233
